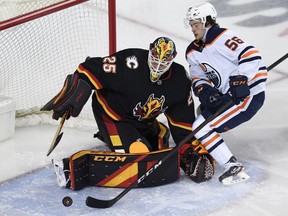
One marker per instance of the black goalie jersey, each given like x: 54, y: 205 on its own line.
x: 124, y: 92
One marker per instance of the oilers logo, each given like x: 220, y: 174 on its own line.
x: 212, y: 74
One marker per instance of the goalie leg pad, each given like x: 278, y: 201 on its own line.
x: 111, y: 169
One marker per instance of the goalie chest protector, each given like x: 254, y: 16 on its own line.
x: 110, y: 169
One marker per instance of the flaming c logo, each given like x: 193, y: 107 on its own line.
x: 152, y: 108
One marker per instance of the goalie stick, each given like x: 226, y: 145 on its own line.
x: 99, y: 203
x: 58, y: 135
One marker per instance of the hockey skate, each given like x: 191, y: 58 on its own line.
x: 62, y: 175
x: 234, y: 172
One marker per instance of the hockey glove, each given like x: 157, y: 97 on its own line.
x: 71, y: 98
x: 239, y: 88
x: 208, y: 96
x: 196, y: 162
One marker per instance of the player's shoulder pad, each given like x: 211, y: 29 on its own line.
x: 192, y: 47
x: 214, y: 33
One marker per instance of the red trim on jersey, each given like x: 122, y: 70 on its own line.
x: 106, y: 107
x: 112, y: 131
x: 182, y: 125
x: 90, y: 76
x: 111, y: 127
x: 169, y: 72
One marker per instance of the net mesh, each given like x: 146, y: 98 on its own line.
x: 13, y: 8
x: 36, y: 56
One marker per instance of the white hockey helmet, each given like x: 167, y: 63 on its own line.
x: 161, y: 55
x: 203, y: 11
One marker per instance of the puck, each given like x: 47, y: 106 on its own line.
x: 67, y: 201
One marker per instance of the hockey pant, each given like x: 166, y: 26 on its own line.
x: 120, y: 135
x: 233, y: 116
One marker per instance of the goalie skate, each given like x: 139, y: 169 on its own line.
x: 234, y: 173
x: 60, y: 173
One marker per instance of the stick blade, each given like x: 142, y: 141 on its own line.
x: 53, y: 146
x: 97, y: 203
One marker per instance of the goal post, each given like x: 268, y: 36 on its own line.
x: 42, y: 41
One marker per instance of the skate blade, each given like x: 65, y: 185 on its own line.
x: 240, y: 177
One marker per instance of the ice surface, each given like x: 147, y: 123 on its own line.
x: 260, y: 144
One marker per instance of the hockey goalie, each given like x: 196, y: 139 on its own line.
x: 131, y: 88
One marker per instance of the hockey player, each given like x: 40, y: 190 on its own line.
x: 131, y: 89
x: 223, y: 67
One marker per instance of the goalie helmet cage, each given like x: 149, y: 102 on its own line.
x: 42, y: 41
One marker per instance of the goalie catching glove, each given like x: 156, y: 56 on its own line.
x: 71, y: 98
x: 196, y: 162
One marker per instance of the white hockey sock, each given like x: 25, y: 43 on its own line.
x: 221, y: 154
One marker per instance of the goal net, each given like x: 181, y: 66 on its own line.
x: 42, y: 41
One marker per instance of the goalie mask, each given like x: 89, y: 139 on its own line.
x: 161, y: 55
x: 205, y: 12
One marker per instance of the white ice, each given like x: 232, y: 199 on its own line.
x: 260, y: 144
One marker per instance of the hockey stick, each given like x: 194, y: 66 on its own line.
x: 277, y: 62
x: 98, y: 203
x: 58, y: 135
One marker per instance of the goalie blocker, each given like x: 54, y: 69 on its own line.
x: 111, y: 169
